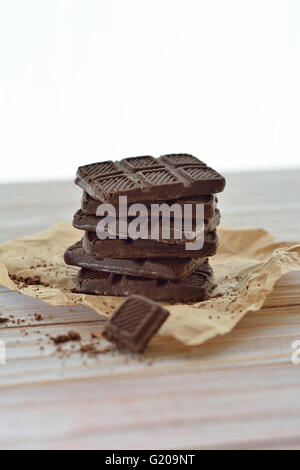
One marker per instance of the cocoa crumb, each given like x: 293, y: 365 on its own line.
x: 27, y: 281
x: 88, y: 348
x: 92, y: 350
x: 71, y: 336
x: 38, y: 317
x: 94, y: 336
x: 74, y: 336
x: 3, y: 320
x: 107, y: 350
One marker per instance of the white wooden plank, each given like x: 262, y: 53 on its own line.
x: 236, y: 391
x: 207, y: 409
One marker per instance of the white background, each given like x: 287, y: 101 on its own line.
x: 88, y: 80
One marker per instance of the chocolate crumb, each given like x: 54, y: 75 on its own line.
x: 74, y: 336
x: 94, y: 336
x: 71, y: 336
x: 27, y: 281
x: 92, y: 351
x: 88, y: 348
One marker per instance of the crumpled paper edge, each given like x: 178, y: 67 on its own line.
x: 262, y: 280
x: 248, y: 264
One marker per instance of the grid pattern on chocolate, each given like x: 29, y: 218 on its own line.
x: 132, y: 315
x: 135, y: 322
x: 106, y: 168
x: 149, y: 178
x: 197, y: 173
x: 159, y: 176
x: 115, y: 183
x: 138, y: 163
x: 179, y: 159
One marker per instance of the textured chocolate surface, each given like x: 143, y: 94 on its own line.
x: 149, y: 178
x: 134, y: 323
x: 89, y: 205
x: 89, y: 223
x: 195, y: 287
x: 172, y: 269
x: 151, y: 248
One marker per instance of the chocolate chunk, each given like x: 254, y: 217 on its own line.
x: 147, y: 178
x: 195, y: 287
x: 89, y: 223
x: 172, y: 269
x: 134, y: 323
x: 89, y: 205
x: 138, y: 248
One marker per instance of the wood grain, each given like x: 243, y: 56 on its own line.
x: 236, y: 391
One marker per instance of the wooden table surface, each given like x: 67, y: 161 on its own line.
x: 236, y: 391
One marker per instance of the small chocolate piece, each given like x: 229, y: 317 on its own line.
x: 134, y: 323
x: 89, y: 223
x: 147, y: 178
x: 153, y: 249
x: 172, y: 269
x: 195, y: 287
x: 89, y: 205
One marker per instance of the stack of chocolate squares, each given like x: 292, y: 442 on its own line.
x: 161, y: 268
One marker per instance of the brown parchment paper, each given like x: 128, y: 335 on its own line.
x: 247, y: 266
